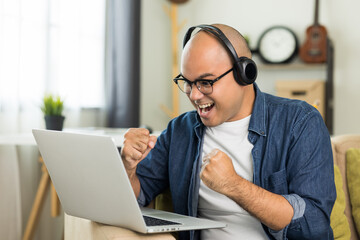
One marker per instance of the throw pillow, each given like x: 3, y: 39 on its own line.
x: 338, y: 220
x: 353, y: 179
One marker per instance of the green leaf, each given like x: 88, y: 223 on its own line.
x: 52, y: 105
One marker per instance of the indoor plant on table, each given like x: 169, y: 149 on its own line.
x: 52, y: 108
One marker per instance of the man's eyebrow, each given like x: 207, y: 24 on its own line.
x: 204, y: 75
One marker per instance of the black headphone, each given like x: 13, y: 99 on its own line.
x: 244, y: 69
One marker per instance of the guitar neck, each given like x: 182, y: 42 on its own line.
x: 316, y: 17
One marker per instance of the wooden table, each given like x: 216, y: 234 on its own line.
x: 80, y: 228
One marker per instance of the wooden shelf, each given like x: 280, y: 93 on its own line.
x: 295, y: 64
x: 292, y: 66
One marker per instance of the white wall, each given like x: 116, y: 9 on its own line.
x: 252, y: 18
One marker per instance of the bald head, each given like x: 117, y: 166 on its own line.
x: 236, y: 39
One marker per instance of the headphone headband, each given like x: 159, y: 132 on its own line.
x: 245, y: 70
x: 216, y: 32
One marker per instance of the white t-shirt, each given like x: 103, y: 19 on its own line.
x: 231, y: 138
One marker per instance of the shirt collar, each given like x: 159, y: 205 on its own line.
x: 199, y: 126
x: 258, y: 116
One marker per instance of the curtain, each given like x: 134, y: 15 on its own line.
x: 46, y: 46
x: 122, y: 63
x: 50, y: 46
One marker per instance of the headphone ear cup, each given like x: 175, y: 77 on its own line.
x: 245, y: 71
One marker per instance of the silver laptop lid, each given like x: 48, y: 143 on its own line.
x: 85, y: 174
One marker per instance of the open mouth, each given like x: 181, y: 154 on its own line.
x: 205, y: 108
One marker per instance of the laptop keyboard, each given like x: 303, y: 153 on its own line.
x: 151, y: 221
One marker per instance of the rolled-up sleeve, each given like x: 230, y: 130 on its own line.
x: 297, y: 203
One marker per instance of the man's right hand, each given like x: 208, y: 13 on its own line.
x: 137, y: 145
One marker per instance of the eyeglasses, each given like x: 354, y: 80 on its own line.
x: 203, y: 85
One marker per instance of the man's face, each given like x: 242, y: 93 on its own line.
x: 205, y: 58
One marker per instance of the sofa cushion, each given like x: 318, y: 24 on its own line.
x: 353, y: 179
x: 341, y: 144
x: 338, y: 220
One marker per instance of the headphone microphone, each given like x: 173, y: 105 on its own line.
x: 244, y: 69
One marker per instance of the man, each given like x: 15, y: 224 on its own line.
x: 260, y: 163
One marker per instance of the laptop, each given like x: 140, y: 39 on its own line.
x: 91, y: 182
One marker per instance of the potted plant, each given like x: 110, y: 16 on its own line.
x: 52, y: 107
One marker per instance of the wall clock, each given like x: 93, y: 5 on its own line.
x: 277, y: 44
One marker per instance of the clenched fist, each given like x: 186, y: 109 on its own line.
x: 218, y: 171
x: 137, y: 144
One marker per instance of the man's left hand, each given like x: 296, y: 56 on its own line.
x: 218, y: 171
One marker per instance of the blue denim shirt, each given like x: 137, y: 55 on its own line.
x: 292, y: 157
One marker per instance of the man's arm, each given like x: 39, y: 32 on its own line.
x: 271, y: 209
x: 137, y: 145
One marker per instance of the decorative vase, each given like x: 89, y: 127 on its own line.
x: 54, y: 122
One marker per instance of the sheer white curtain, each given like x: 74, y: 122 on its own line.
x: 49, y: 46
x: 46, y: 46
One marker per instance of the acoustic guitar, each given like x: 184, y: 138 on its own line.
x: 315, y: 46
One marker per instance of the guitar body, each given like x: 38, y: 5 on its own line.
x: 315, y: 47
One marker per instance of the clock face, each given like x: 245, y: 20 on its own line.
x: 277, y: 45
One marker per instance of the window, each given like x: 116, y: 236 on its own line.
x: 52, y: 46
